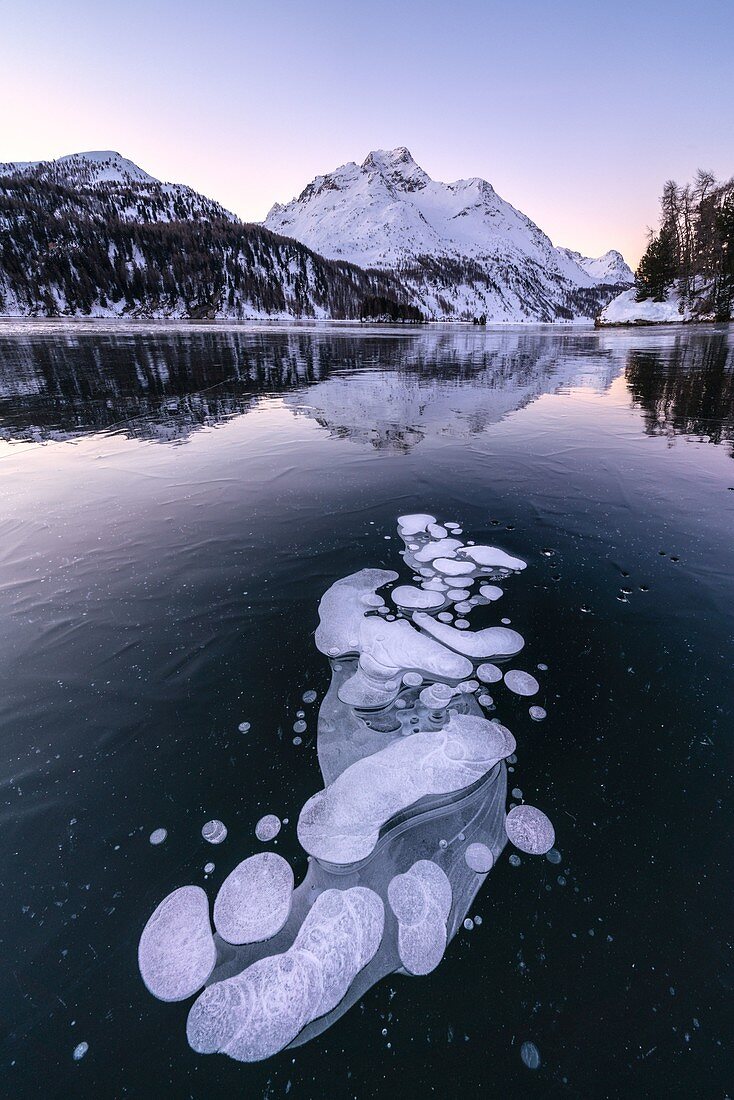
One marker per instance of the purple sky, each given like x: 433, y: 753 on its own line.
x: 575, y: 111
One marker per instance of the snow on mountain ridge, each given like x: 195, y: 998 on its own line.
x: 609, y: 269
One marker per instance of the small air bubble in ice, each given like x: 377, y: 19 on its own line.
x: 515, y: 861
x: 299, y: 727
x: 553, y: 856
x: 479, y: 858
x: 309, y: 696
x: 468, y: 924
x: 267, y: 827
x: 214, y: 831
x: 158, y: 836
x: 208, y: 868
x: 243, y: 727
x: 79, y: 1051
x: 530, y: 1055
x: 537, y: 713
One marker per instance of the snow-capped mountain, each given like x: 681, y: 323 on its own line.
x: 609, y: 269
x: 138, y: 196
x: 459, y: 247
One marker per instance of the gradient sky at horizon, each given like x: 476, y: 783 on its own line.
x: 576, y: 112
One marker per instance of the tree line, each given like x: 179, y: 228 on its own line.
x: 693, y: 248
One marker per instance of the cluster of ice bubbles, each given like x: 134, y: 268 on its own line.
x: 410, y: 820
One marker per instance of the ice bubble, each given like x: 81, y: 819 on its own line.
x: 468, y: 924
x: 477, y: 920
x: 434, y: 584
x: 436, y: 531
x: 553, y: 856
x: 479, y: 858
x: 506, y: 621
x: 486, y: 700
x: 522, y: 683
x: 489, y: 674
x: 516, y: 792
x: 490, y: 592
x: 414, y: 524
x: 342, y: 609
x: 462, y: 624
x: 467, y: 687
x: 530, y: 1055
x: 493, y: 557
x: 299, y: 727
x: 436, y: 696
x: 460, y: 594
x: 79, y: 1051
x: 176, y: 953
x: 543, y: 667
x: 441, y: 549
x: 412, y: 679
x: 254, y: 901
x: 445, y: 617
x: 514, y: 860
x: 537, y: 713
x: 300, y: 714
x: 297, y: 740
x: 259, y: 1011
x: 494, y: 641
x: 421, y: 901
x: 158, y: 836
x: 452, y: 568
x: 243, y: 727
x: 530, y: 830
x: 214, y: 831
x: 341, y: 824
x: 407, y: 596
x: 267, y: 827
x: 208, y: 868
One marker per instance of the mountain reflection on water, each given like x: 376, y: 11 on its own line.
x: 164, y: 384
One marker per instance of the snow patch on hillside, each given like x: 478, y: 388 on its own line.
x: 624, y: 310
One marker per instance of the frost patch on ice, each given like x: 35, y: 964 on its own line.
x: 254, y: 901
x: 176, y: 953
x: 261, y: 1010
x: 267, y: 827
x: 530, y: 830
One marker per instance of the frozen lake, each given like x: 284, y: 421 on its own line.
x: 175, y: 501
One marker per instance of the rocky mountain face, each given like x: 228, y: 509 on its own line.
x: 94, y: 235
x: 460, y: 249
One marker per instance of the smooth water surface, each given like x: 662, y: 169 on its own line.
x: 173, y: 503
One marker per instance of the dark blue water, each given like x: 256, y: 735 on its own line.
x: 173, y: 504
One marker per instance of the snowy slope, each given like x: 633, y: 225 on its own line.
x: 460, y: 247
x: 610, y: 269
x: 137, y: 195
x: 624, y: 310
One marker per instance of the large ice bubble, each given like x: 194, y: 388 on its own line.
x: 421, y: 900
x: 492, y: 557
x: 342, y: 823
x: 530, y: 830
x: 261, y: 1010
x: 254, y: 901
x: 493, y: 641
x: 176, y: 953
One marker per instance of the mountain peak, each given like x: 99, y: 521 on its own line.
x: 397, y: 167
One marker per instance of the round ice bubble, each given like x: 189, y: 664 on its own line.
x: 214, y: 831
x: 267, y: 827
x: 243, y: 727
x: 537, y: 713
x: 530, y: 830
x: 489, y: 674
x: 158, y: 836
x: 309, y: 696
x: 530, y: 1055
x: 479, y: 858
x: 521, y: 683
